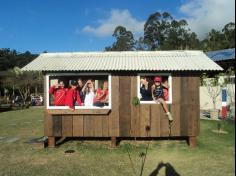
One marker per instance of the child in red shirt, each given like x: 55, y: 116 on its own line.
x: 72, y: 96
x: 102, y: 96
x: 59, y: 93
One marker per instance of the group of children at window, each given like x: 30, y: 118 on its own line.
x: 155, y: 89
x: 80, y: 94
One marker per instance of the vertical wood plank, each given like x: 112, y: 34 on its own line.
x: 114, y: 115
x: 155, y: 120
x: 165, y: 131
x: 176, y: 105
x: 125, y: 105
x: 144, y: 119
x: 105, y: 126
x: 51, y: 142
x: 194, y: 107
x: 78, y: 125
x: 184, y: 105
x: 97, y: 126
x: 67, y: 127
x: 48, y: 124
x: 88, y: 126
x: 134, y: 117
x: 57, y: 125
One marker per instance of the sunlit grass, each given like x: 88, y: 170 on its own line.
x: 214, y: 155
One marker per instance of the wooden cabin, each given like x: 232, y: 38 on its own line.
x: 120, y: 118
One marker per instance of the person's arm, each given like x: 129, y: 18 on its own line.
x: 152, y: 89
x: 52, y: 89
x: 78, y: 99
x: 165, y: 86
x: 83, y: 89
x: 106, y: 98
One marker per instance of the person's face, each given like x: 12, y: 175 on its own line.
x: 105, y: 85
x: 73, y: 87
x: 89, y: 84
x: 61, y: 84
x: 80, y: 83
x: 157, y: 83
x: 143, y: 81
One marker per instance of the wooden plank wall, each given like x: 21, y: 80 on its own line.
x: 127, y: 120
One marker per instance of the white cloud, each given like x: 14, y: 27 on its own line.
x: 204, y: 15
x: 117, y: 17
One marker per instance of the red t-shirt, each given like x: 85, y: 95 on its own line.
x: 100, y: 93
x: 59, y: 95
x: 78, y: 99
x: 70, y: 99
x: 166, y: 94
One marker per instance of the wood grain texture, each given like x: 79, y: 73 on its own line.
x: 134, y: 114
x: 67, y: 125
x: 125, y: 105
x: 144, y: 120
x: 105, y: 126
x: 48, y: 124
x: 185, y: 84
x: 114, y: 115
x: 155, y: 117
x: 57, y: 125
x: 176, y: 105
x: 78, y: 125
x: 165, y: 130
x: 97, y: 126
x: 78, y: 111
x: 88, y: 126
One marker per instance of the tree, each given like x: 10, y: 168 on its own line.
x: 163, y: 32
x: 124, y: 40
x: 218, y: 40
x: 155, y: 29
x: 229, y: 34
x: 24, y: 82
x: 11, y: 58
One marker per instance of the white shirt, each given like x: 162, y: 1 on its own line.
x: 88, y: 101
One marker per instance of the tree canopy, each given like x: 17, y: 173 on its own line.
x: 11, y: 58
x: 163, y: 32
x: 124, y: 40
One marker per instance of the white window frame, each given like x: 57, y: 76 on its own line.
x: 78, y: 74
x: 155, y: 74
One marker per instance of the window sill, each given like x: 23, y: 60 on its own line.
x: 153, y: 102
x: 78, y: 111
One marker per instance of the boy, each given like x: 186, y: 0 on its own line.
x: 59, y: 93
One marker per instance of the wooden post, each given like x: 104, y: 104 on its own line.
x: 113, y: 142
x: 192, y: 141
x: 51, y: 142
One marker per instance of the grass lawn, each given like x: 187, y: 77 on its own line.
x: 214, y: 156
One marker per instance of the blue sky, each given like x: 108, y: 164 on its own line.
x: 76, y: 25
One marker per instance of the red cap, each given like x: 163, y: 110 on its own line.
x: 157, y: 79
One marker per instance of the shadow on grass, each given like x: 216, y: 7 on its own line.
x: 63, y: 140
x: 169, y: 170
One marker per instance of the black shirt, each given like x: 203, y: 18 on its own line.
x: 146, y: 93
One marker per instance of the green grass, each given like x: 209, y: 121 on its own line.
x: 214, y: 155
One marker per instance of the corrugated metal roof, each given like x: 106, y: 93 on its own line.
x: 221, y: 55
x: 124, y: 61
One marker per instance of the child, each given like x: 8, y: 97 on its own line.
x: 59, y: 93
x: 71, y: 95
x: 79, y: 88
x: 158, y: 96
x: 145, y: 89
x: 102, y: 96
x: 88, y: 90
x: 165, y: 89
